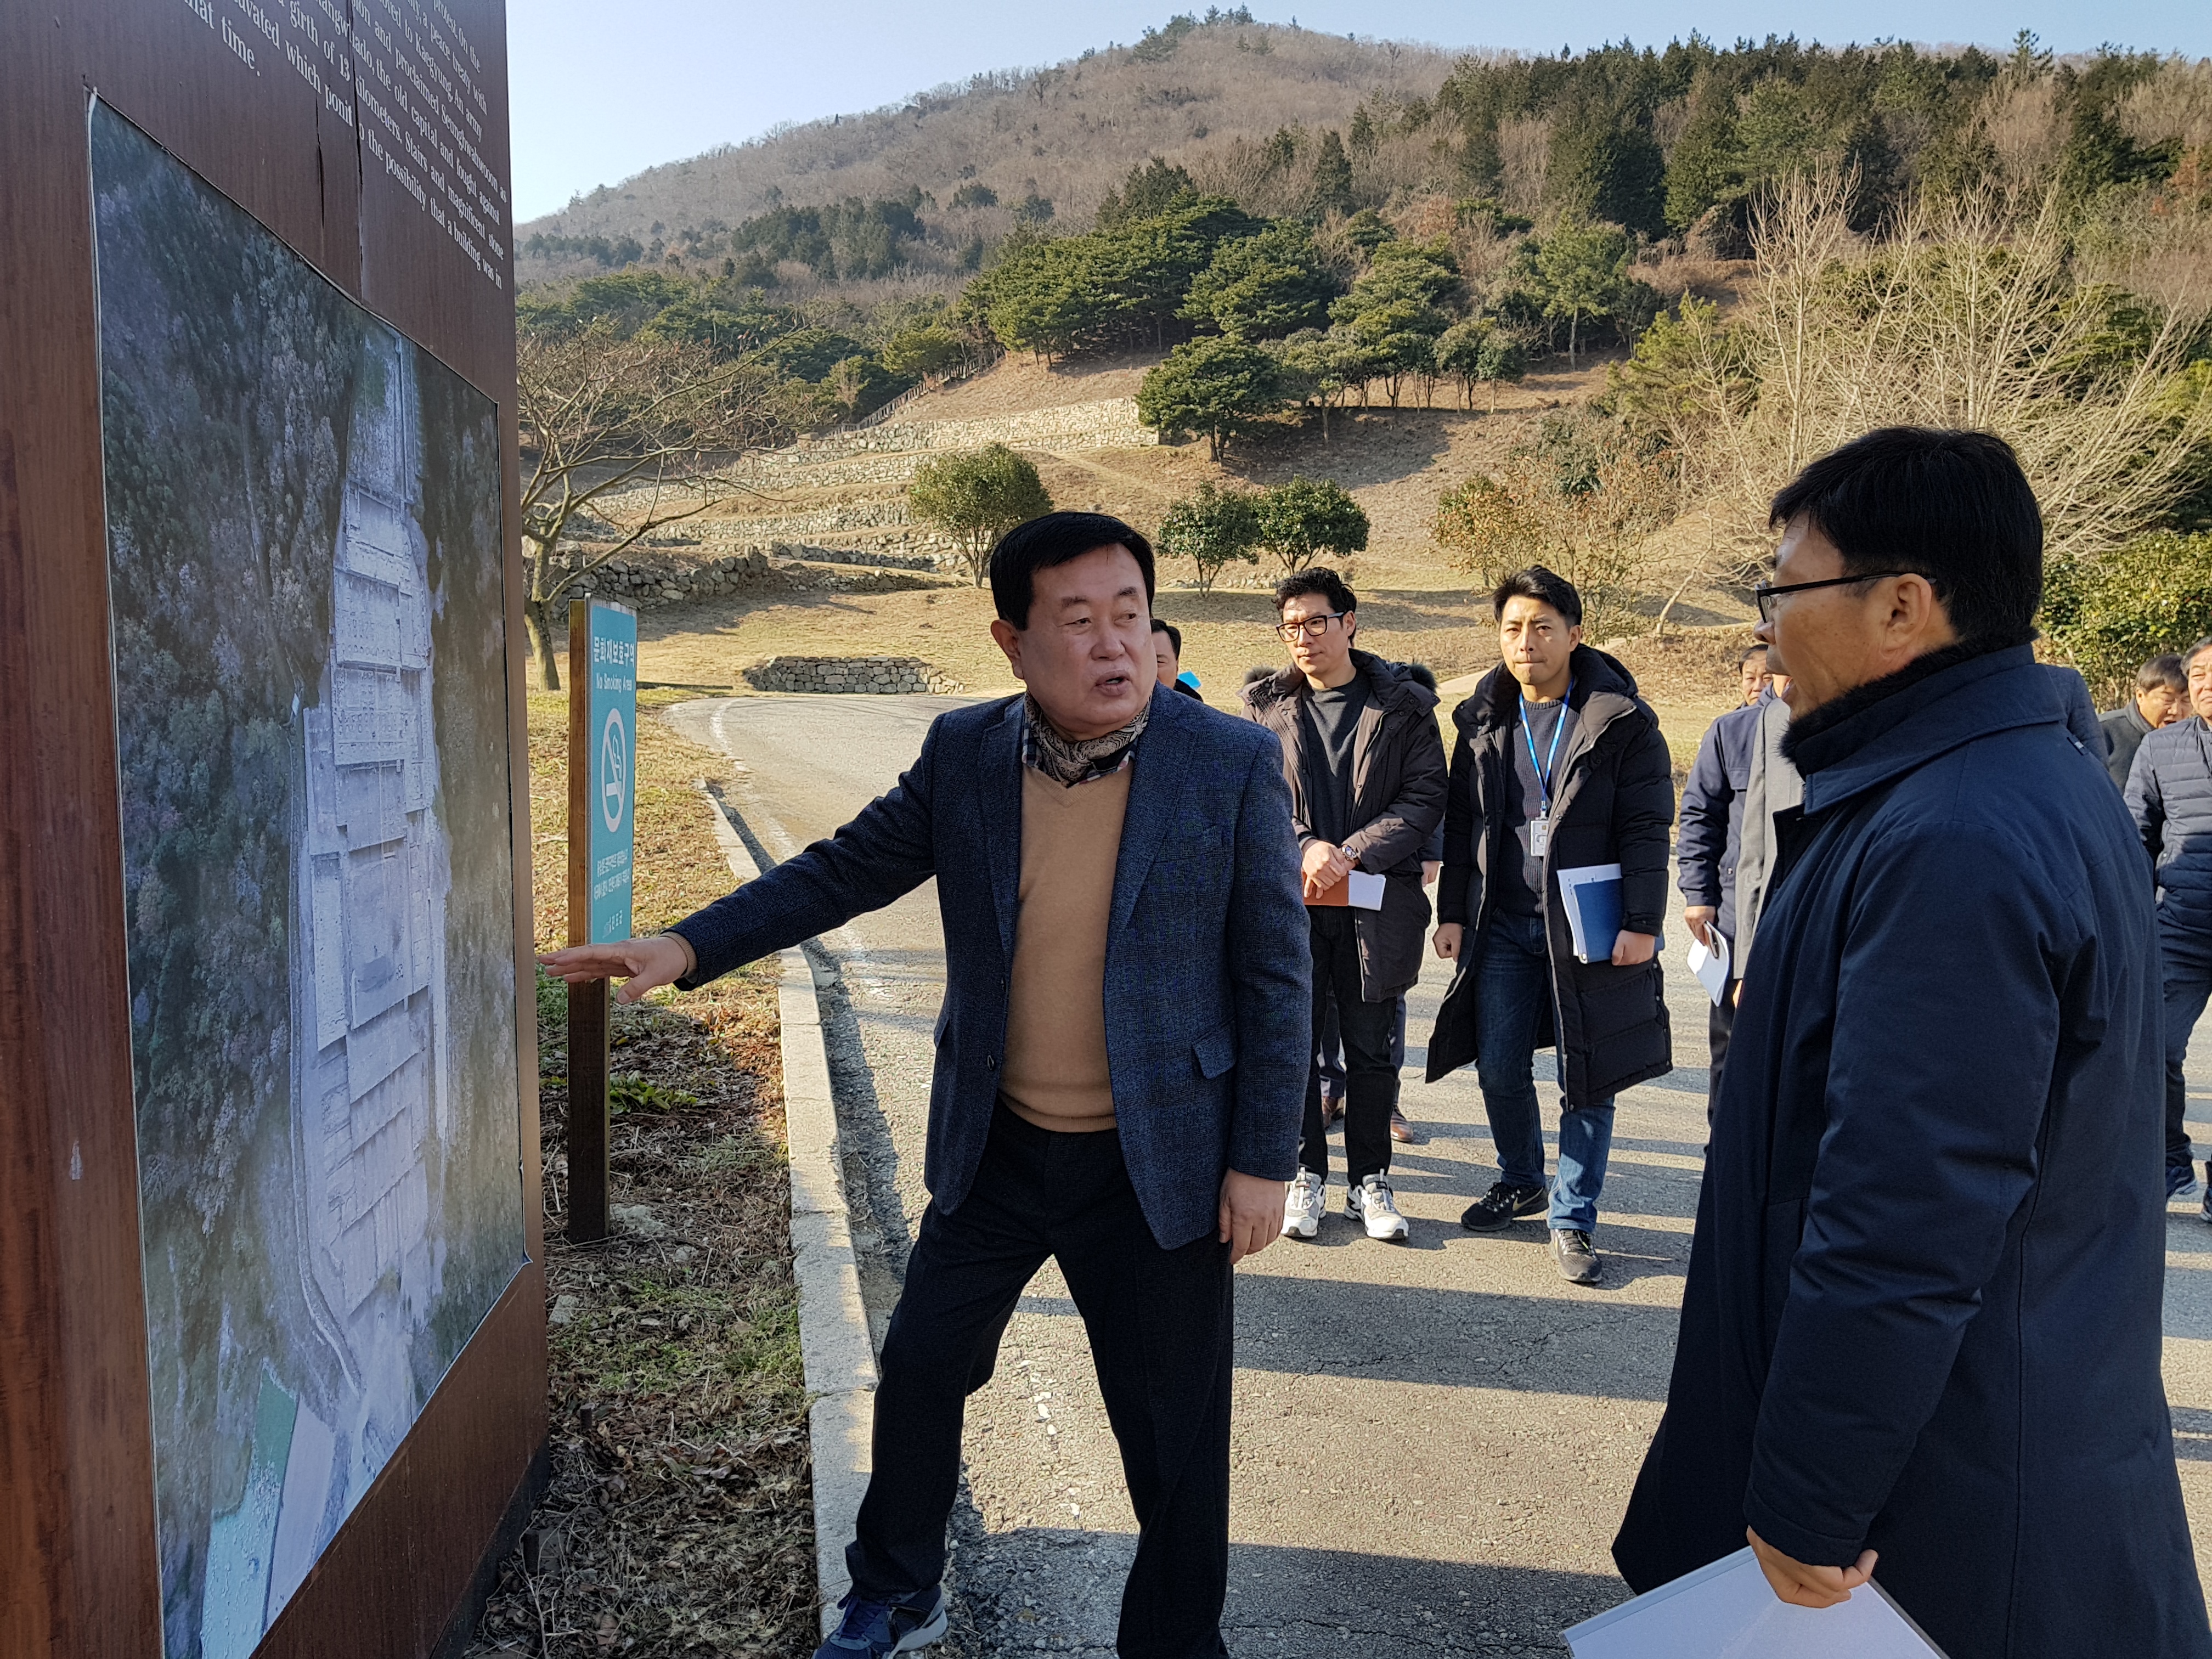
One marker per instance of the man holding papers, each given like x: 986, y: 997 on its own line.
x: 1365, y: 766
x: 1705, y: 853
x: 1921, y: 1332
x: 1554, y: 888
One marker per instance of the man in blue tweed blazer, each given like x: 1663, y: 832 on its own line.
x: 1120, y: 1062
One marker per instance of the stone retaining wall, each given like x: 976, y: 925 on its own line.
x: 1106, y: 423
x: 882, y: 676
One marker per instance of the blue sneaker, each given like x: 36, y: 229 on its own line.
x: 2180, y: 1181
x: 873, y: 1630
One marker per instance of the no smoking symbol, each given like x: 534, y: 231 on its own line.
x: 614, y: 771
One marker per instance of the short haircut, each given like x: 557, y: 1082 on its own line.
x: 1316, y: 579
x: 1951, y: 506
x: 1545, y: 586
x: 1748, y: 653
x: 1056, y: 539
x: 2188, y: 658
x: 2168, y: 671
x: 1173, y: 634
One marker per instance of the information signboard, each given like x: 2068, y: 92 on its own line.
x: 607, y: 702
x: 272, y: 1291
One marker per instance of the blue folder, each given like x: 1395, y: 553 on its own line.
x: 1591, y: 894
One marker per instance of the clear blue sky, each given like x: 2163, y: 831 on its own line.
x: 601, y: 93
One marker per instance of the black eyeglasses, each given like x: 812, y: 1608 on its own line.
x: 1312, y: 627
x: 1766, y: 595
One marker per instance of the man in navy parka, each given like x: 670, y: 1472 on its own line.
x: 1921, y: 1331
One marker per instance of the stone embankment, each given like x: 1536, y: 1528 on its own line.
x: 659, y: 578
x: 882, y: 676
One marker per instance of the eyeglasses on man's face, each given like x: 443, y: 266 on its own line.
x: 1766, y: 594
x: 1312, y: 627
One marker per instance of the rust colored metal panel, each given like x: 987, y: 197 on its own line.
x: 263, y: 100
x: 78, y: 1573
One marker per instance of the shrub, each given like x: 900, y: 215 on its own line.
x: 1303, y: 520
x: 975, y: 496
x: 1211, y: 529
x: 2112, y: 614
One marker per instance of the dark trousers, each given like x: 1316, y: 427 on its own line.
x: 1718, y: 1025
x: 1160, y: 1324
x: 1370, y: 1082
x: 2185, y: 957
x: 1328, y: 1045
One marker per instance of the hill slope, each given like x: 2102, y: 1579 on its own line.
x: 1065, y: 135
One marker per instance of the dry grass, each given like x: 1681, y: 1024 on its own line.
x: 679, y: 1520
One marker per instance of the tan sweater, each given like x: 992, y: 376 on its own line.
x: 1055, y: 1074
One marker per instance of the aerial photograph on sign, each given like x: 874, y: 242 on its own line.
x: 305, y: 551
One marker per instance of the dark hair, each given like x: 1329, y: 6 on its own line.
x: 1748, y: 653
x: 1545, y: 586
x: 2168, y: 671
x: 1316, y: 579
x: 2191, y: 655
x: 1173, y: 634
x: 1951, y: 506
x: 1056, y: 539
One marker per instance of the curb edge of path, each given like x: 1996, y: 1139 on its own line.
x: 833, y: 1322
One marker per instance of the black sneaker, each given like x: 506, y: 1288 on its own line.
x: 1572, y: 1255
x: 876, y: 1630
x: 2207, y: 1211
x: 1503, y: 1204
x: 2181, y: 1180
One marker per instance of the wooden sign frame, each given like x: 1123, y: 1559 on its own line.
x: 292, y: 114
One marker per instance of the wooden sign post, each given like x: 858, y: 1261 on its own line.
x: 602, y: 795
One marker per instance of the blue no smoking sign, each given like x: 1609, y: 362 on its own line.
x: 607, y: 757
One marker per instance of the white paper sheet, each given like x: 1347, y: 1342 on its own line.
x: 1728, y: 1611
x: 1365, y: 892
x: 1711, y: 967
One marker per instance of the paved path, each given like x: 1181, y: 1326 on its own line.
x: 1433, y: 1445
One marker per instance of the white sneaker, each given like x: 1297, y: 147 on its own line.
x: 1370, y: 1202
x: 1303, y: 1208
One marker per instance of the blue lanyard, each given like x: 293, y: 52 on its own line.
x: 1544, y: 767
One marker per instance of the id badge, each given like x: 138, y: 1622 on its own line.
x: 1539, y: 837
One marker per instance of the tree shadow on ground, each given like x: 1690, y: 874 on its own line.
x: 1364, y: 448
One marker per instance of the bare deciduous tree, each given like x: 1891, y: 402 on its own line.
x: 1981, y: 310
x: 624, y: 437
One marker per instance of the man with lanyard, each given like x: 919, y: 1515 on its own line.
x: 1558, y: 764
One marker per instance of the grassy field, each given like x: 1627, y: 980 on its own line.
x: 679, y: 1519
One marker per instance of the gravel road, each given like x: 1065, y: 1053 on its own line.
x: 1433, y: 1442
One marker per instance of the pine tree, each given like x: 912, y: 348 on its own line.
x: 1331, y: 179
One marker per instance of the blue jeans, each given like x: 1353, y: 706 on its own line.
x: 1511, y: 993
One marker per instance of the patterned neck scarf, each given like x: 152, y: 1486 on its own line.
x: 1072, y: 761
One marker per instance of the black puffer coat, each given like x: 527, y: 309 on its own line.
x: 1615, y: 803
x: 1397, y: 801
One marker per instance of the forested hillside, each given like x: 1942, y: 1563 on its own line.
x: 1780, y: 245
x: 976, y: 159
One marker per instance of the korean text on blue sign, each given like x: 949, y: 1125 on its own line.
x: 612, y: 754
